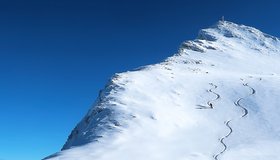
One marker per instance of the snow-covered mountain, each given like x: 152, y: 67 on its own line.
x: 216, y: 99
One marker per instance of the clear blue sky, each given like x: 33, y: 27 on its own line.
x: 55, y: 56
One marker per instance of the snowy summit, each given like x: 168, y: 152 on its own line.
x: 216, y: 99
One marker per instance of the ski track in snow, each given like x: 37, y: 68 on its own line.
x: 216, y: 157
x: 210, y: 103
x: 237, y: 103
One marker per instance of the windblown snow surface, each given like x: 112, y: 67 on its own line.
x: 217, y: 99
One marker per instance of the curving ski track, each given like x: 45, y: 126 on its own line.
x: 237, y: 103
x: 216, y: 157
x: 210, y: 103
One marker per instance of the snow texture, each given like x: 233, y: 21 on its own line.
x: 216, y: 99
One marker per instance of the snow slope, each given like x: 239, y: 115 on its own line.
x: 217, y: 99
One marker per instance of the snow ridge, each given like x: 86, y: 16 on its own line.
x: 103, y: 118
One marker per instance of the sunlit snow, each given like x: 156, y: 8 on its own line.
x: 217, y: 99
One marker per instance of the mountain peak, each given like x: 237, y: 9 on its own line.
x: 224, y: 32
x: 232, y: 30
